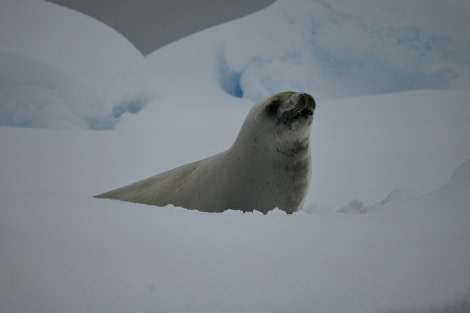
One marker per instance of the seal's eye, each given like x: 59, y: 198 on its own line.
x: 272, y: 107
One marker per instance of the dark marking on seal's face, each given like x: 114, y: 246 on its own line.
x: 303, y: 106
x: 273, y: 107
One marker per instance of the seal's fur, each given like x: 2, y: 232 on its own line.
x: 267, y: 167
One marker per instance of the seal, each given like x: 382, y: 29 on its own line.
x: 267, y: 167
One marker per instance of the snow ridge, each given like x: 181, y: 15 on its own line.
x: 321, y: 47
x: 330, y: 49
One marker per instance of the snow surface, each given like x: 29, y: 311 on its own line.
x: 331, y: 49
x: 63, y: 69
x: 385, y: 227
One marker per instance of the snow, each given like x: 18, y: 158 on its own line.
x: 330, y: 49
x: 42, y: 45
x: 385, y: 227
x: 333, y: 48
x: 74, y: 42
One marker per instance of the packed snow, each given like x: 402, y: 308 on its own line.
x: 385, y: 227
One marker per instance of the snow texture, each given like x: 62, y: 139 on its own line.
x: 331, y: 49
x: 385, y: 227
x: 62, y: 69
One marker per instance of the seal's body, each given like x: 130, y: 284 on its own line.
x: 267, y: 167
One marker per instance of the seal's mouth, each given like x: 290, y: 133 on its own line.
x: 304, y: 106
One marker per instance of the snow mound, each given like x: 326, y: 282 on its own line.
x: 74, y: 42
x: 331, y: 50
x: 36, y: 94
x: 60, y: 68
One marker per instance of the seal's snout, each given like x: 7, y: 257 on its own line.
x: 305, y: 100
x: 300, y: 106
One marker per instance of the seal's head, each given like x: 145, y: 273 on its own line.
x: 292, y: 109
x: 281, y: 121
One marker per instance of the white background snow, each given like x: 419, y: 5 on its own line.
x: 385, y: 228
